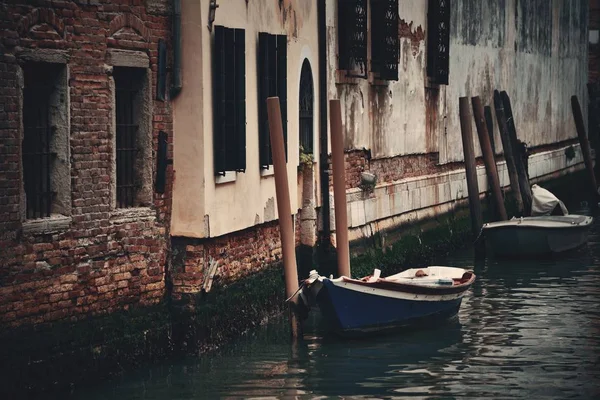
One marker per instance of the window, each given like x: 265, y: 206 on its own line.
x: 306, y: 102
x: 46, y: 169
x: 384, y: 39
x: 132, y: 108
x: 272, y: 81
x: 438, y: 41
x: 352, y: 37
x: 229, y: 100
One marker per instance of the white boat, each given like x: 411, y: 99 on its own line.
x: 534, y: 236
x: 540, y: 234
x: 374, y: 304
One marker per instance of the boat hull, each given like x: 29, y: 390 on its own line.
x: 354, y: 311
x: 528, y: 240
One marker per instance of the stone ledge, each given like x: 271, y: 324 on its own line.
x: 127, y: 58
x: 128, y: 215
x: 42, y: 226
x: 44, y: 55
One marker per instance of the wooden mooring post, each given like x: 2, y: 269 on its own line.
x: 585, y: 144
x: 470, y: 166
x: 508, y: 151
x: 519, y: 154
x: 488, y: 157
x: 284, y: 209
x: 339, y: 188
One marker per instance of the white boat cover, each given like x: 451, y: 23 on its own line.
x: 544, y: 202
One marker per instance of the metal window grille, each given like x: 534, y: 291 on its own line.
x: 272, y: 78
x: 438, y: 41
x: 352, y: 37
x: 37, y: 154
x: 385, y: 48
x: 127, y: 90
x: 306, y: 108
x: 229, y: 100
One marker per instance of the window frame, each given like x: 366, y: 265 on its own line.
x: 229, y: 101
x: 57, y: 141
x: 137, y: 63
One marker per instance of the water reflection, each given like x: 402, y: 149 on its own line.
x: 526, y: 329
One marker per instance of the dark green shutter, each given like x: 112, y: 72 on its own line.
x: 384, y: 39
x: 240, y: 101
x: 282, y: 84
x: 220, y: 154
x: 438, y: 41
x: 263, y: 93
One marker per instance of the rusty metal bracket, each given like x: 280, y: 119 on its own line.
x: 212, y: 9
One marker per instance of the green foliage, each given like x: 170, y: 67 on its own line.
x: 306, y: 158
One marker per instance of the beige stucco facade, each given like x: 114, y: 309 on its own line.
x: 209, y: 206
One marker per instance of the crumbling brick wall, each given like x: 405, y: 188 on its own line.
x: 99, y: 258
x: 239, y: 254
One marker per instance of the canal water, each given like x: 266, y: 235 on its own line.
x: 527, y: 329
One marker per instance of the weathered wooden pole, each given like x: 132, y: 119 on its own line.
x: 508, y: 152
x: 470, y: 166
x: 284, y: 209
x: 489, y: 122
x: 585, y: 144
x: 519, y: 154
x: 339, y: 188
x: 488, y: 157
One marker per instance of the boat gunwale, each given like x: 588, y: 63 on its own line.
x: 409, y: 288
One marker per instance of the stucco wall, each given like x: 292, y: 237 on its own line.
x: 535, y: 50
x: 201, y: 206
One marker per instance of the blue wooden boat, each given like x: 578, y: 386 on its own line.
x: 355, y: 307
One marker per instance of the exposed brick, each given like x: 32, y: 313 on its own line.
x: 60, y: 275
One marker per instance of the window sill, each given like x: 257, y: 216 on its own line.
x: 267, y: 172
x: 230, y: 176
x: 128, y: 215
x: 53, y: 224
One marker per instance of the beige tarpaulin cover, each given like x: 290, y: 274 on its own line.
x: 544, y: 202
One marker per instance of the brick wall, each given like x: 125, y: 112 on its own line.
x: 239, y: 254
x: 100, y: 259
x: 387, y: 169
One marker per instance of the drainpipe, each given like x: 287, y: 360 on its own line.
x: 322, y: 38
x: 176, y: 85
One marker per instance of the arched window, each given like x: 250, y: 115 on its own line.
x: 306, y: 108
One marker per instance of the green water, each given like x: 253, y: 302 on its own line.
x: 526, y: 329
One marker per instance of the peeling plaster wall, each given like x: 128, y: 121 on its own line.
x: 201, y: 206
x: 536, y: 50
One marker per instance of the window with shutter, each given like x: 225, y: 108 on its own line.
x: 229, y: 100
x: 384, y: 39
x: 272, y: 81
x: 438, y: 41
x: 352, y: 37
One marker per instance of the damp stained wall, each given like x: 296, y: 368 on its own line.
x: 204, y: 206
x: 536, y: 50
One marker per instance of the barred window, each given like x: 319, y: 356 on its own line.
x: 45, y: 151
x: 132, y: 127
x: 384, y: 39
x: 272, y: 81
x: 229, y: 100
x: 352, y: 37
x: 438, y: 41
